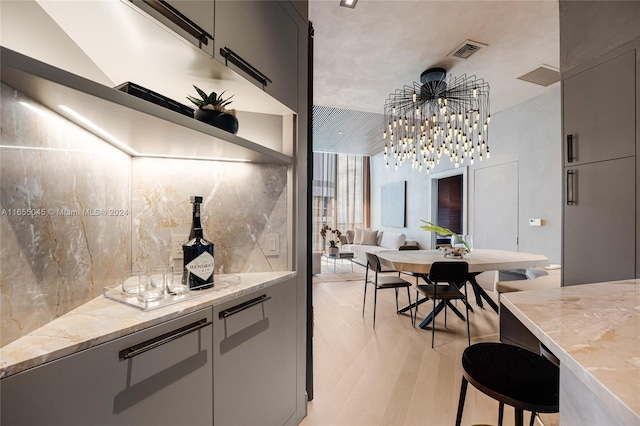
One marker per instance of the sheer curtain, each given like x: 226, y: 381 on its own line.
x: 340, y: 193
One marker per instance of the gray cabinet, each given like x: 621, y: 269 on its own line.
x: 158, y: 376
x: 600, y: 219
x: 599, y: 222
x: 599, y: 111
x: 255, y: 357
x: 192, y: 19
x: 259, y: 40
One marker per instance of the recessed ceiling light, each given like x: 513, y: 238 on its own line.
x: 348, y: 3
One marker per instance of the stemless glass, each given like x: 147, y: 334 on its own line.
x: 151, y: 284
x: 177, y: 282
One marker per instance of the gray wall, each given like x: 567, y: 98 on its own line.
x: 528, y: 134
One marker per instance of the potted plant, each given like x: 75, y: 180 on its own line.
x: 212, y: 110
x: 460, y: 246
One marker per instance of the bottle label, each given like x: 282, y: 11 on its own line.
x: 202, y: 266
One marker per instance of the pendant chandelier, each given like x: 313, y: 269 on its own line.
x: 439, y: 116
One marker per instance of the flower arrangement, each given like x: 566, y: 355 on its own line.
x: 455, y: 251
x: 333, y: 242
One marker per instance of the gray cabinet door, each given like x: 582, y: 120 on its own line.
x: 255, y: 358
x: 260, y: 36
x: 170, y: 384
x: 599, y: 238
x: 599, y: 112
x: 192, y: 19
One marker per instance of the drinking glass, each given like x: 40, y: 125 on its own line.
x: 151, y: 284
x: 130, y: 284
x: 177, y: 282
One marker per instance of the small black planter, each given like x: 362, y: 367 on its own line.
x: 219, y: 119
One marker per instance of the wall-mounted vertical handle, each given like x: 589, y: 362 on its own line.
x: 571, y: 200
x: 570, y: 149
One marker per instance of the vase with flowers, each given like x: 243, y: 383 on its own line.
x: 334, y: 238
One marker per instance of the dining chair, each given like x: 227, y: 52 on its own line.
x: 381, y: 283
x: 454, y: 274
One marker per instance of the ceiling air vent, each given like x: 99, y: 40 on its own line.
x: 467, y: 49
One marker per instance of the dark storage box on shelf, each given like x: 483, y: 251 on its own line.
x: 156, y: 98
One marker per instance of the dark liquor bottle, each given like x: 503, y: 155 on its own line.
x: 198, y: 253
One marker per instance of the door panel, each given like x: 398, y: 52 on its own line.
x: 495, y: 223
x: 599, y: 111
x: 599, y: 227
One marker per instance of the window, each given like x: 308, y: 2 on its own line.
x: 340, y: 193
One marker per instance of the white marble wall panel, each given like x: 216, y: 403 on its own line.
x: 241, y: 202
x: 54, y: 254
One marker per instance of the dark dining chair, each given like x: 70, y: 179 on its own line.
x: 410, y: 247
x: 454, y: 275
x: 381, y: 283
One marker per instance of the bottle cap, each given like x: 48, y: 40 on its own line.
x: 196, y: 199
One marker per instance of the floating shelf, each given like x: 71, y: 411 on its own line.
x: 137, y: 127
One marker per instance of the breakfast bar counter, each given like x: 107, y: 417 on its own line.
x: 594, y: 331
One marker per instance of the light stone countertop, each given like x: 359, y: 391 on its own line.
x: 101, y: 320
x: 594, y: 330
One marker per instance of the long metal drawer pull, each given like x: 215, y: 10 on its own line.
x: 570, y: 149
x: 241, y: 307
x: 570, y: 187
x: 236, y: 59
x: 164, y: 338
x: 178, y: 18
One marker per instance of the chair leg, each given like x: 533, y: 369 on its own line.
x: 415, y: 314
x: 433, y: 322
x: 463, y: 394
x: 410, y: 309
x: 365, y: 297
x: 445, y: 315
x: 533, y: 418
x: 519, y: 415
x: 375, y: 302
x: 500, y: 413
x: 468, y: 319
x: 397, y: 307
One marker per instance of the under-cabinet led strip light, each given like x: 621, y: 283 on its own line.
x: 135, y: 153
x: 103, y: 133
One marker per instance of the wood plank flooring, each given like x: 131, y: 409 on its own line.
x: 390, y: 375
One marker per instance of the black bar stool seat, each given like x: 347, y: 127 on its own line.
x: 513, y: 376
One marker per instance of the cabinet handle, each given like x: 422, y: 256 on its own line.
x: 241, y: 307
x: 570, y: 187
x: 230, y: 56
x: 178, y: 18
x: 570, y: 149
x: 162, y: 339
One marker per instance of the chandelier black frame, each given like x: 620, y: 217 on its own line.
x: 440, y: 115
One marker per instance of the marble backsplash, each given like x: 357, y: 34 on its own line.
x: 77, y: 213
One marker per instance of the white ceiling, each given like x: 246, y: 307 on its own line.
x: 362, y: 55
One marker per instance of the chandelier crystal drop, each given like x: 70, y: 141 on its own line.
x: 440, y: 115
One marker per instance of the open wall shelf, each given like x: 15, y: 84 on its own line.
x: 135, y: 126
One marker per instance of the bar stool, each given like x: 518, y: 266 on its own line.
x: 513, y: 376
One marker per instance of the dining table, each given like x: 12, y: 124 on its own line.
x: 419, y: 263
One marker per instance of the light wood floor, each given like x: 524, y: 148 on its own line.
x: 390, y: 375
